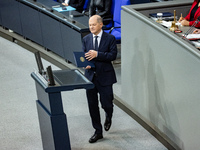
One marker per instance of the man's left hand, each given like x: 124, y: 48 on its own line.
x: 91, y: 55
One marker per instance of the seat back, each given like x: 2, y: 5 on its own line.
x: 113, y: 7
x: 117, y: 12
x: 85, y: 7
x: 117, y: 18
x: 110, y: 25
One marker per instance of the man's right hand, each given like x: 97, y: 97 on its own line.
x: 91, y: 55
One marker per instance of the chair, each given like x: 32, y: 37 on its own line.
x: 86, y: 5
x: 110, y: 25
x: 107, y: 20
x: 116, y: 29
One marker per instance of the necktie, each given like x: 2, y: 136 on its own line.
x: 96, y: 43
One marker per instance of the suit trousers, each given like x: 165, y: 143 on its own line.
x: 106, y: 100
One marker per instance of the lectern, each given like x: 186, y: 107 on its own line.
x: 52, y: 119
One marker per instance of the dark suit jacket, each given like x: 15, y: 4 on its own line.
x: 107, y: 52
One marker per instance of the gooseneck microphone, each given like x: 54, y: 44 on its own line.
x: 190, y: 30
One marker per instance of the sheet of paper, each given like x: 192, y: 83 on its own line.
x: 193, y: 36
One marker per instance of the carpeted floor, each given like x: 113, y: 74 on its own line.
x: 19, y: 126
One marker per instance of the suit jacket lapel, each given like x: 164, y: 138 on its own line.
x: 103, y: 40
x: 91, y: 43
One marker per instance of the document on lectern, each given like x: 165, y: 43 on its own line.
x: 81, y: 61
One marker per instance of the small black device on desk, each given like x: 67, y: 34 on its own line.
x: 64, y: 8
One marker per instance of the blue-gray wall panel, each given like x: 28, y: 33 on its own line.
x: 72, y: 41
x: 10, y: 15
x: 30, y: 21
x: 51, y: 34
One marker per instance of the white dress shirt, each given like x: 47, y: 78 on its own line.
x: 98, y: 39
x: 66, y: 1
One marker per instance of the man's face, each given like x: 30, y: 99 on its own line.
x: 94, y: 26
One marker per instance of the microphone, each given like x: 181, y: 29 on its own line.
x: 192, y: 27
x: 50, y: 75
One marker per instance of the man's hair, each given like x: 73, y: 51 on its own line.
x: 99, y: 19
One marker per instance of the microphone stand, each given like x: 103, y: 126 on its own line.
x: 191, y: 28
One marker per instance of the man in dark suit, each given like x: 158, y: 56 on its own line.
x: 78, y: 4
x: 101, y: 48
